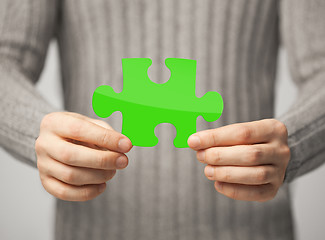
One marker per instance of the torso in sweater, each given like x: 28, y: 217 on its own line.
x: 163, y: 193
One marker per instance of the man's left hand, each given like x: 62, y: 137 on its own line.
x: 247, y: 161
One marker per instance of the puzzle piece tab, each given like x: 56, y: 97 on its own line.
x: 145, y: 104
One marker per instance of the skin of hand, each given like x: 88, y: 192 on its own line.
x: 76, y: 155
x: 246, y: 161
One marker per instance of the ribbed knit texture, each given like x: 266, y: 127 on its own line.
x: 163, y: 193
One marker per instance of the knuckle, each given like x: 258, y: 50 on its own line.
x: 65, y: 155
x: 39, y: 145
x: 68, y: 176
x: 39, y: 164
x: 226, y: 175
x: 61, y: 192
x: 244, y: 134
x: 102, y: 160
x: 75, y: 128
x: 217, y: 156
x: 214, y: 138
x: 262, y: 175
x: 254, y: 155
x: 86, y: 194
x: 234, y: 193
x: 280, y: 128
x: 272, y: 121
x: 286, y: 152
x: 105, y: 138
x: 47, y: 121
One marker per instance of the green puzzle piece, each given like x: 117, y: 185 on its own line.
x: 145, y: 104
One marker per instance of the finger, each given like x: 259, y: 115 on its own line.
x: 102, y: 124
x: 260, y: 193
x: 81, y: 156
x: 234, y: 134
x: 97, y: 121
x: 238, y: 155
x: 80, y: 129
x: 75, y: 175
x: 243, y: 175
x: 89, y: 145
x: 68, y: 192
x: 93, y: 120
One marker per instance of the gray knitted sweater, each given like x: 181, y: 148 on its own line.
x: 163, y: 193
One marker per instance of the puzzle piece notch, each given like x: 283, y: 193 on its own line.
x: 135, y: 73
x: 145, y: 127
x: 141, y: 96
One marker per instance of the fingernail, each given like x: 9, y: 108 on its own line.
x: 124, y: 145
x: 209, y: 171
x: 201, y: 156
x: 121, y: 162
x: 195, y: 141
x: 102, y: 187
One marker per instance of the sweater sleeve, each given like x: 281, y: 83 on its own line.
x: 26, y: 28
x: 303, y: 34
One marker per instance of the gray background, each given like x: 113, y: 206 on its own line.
x: 27, y: 210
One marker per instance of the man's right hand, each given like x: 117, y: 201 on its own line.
x: 76, y: 155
